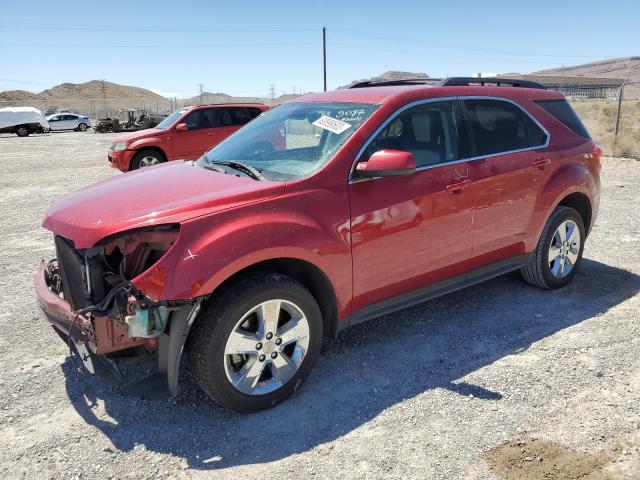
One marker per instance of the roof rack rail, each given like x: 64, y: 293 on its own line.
x: 499, y: 81
x: 392, y: 83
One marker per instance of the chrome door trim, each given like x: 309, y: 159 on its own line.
x: 453, y: 162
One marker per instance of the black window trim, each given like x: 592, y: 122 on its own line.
x: 454, y: 99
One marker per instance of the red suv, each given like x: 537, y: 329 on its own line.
x: 383, y: 196
x: 185, y: 134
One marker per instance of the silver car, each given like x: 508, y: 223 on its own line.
x: 68, y: 121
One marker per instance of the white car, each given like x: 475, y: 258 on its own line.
x: 68, y: 121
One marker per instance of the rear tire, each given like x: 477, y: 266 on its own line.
x: 559, y: 251
x: 274, y: 364
x: 147, y: 158
x: 22, y: 131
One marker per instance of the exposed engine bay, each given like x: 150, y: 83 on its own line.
x: 97, y: 281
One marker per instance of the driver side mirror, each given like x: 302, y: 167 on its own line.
x: 182, y: 127
x: 386, y: 163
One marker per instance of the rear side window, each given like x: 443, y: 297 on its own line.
x: 239, y: 116
x: 497, y: 126
x: 537, y: 136
x: 254, y: 112
x: 562, y: 111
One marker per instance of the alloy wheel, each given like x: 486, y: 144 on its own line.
x: 266, y: 347
x: 564, y: 249
x: 148, y: 161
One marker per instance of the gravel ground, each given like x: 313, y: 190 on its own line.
x: 424, y: 393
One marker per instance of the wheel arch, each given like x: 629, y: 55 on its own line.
x: 306, y: 273
x: 141, y: 147
x: 580, y: 202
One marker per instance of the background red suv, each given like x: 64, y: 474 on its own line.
x: 185, y: 134
x: 380, y: 198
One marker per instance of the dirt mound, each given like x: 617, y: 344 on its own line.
x: 537, y: 459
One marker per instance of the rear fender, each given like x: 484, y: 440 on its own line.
x: 568, y: 179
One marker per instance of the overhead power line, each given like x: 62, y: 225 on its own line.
x: 157, y: 45
x: 415, y: 52
x: 395, y: 39
x: 164, y: 28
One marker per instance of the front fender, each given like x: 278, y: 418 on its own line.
x: 211, y: 249
x: 151, y: 142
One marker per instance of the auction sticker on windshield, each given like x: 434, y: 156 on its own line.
x: 331, y: 124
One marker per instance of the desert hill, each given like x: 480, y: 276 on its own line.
x: 614, y: 68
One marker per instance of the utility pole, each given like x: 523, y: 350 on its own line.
x: 324, y: 56
x: 619, y: 106
x: 201, y: 87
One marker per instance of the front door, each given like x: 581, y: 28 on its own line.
x: 411, y: 231
x: 201, y: 135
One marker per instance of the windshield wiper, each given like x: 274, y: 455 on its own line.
x: 241, y: 167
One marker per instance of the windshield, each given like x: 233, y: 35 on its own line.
x: 167, y: 122
x: 293, y: 140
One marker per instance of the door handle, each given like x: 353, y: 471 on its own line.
x: 212, y: 133
x: 458, y: 186
x: 541, y: 162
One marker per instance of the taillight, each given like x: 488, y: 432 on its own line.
x: 597, y: 155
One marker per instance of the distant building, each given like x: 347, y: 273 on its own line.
x: 577, y: 88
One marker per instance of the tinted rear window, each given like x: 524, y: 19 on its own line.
x: 562, y: 111
x: 497, y: 126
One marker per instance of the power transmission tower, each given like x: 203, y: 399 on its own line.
x: 104, y: 97
x: 201, y: 87
x: 272, y: 92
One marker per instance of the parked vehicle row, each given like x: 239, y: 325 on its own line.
x: 322, y: 213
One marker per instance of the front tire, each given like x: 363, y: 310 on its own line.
x: 82, y: 127
x: 256, y: 341
x: 22, y: 131
x: 559, y: 251
x: 146, y: 158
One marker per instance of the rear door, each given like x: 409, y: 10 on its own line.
x: 410, y: 231
x: 511, y: 167
x: 232, y: 119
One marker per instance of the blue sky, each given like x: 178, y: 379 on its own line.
x: 243, y: 47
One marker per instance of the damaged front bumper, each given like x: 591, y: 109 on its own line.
x: 95, y: 337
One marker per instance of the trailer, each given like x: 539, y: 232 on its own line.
x: 22, y: 121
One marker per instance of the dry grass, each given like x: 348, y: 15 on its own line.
x: 600, y: 120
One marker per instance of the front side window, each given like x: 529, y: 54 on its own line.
x: 500, y: 127
x: 293, y: 140
x: 428, y: 131
x: 170, y: 120
x: 197, y: 120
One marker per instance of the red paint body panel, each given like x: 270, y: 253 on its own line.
x: 372, y: 239
x: 166, y: 193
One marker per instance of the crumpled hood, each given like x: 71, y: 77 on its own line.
x: 167, y: 193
